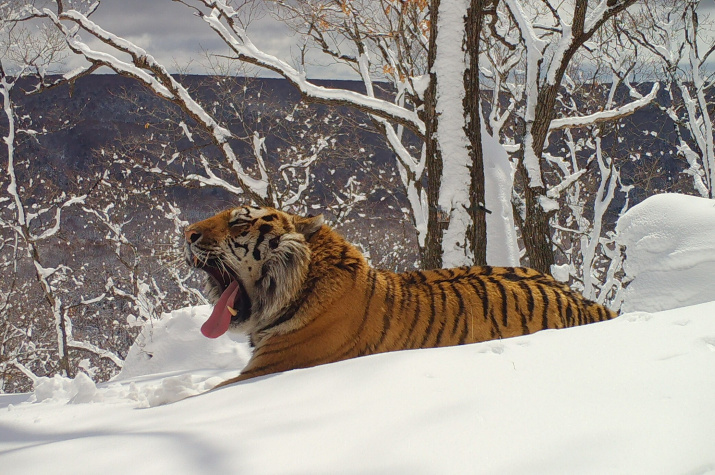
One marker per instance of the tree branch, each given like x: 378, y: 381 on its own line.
x: 604, y: 116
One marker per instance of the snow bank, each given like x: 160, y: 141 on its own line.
x: 669, y: 242
x: 631, y: 395
x: 169, y: 361
x: 175, y: 343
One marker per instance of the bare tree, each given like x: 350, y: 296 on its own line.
x: 551, y: 34
x: 673, y: 32
x: 31, y: 221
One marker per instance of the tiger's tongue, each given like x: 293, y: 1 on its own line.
x: 220, y: 318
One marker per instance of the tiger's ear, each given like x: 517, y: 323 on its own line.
x: 309, y: 225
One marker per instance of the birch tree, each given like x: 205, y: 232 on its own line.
x: 581, y: 229
x: 454, y: 209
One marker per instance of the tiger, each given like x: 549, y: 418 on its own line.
x: 305, y: 296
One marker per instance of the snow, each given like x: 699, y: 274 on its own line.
x: 633, y: 395
x: 502, y: 245
x: 670, y: 252
x: 449, y: 68
x: 173, y: 344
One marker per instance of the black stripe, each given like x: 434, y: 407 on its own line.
x: 404, y: 305
x: 580, y: 311
x: 545, y: 302
x: 518, y: 309
x: 263, y: 350
x: 282, y: 319
x: 504, y: 302
x: 495, y: 331
x: 486, y: 309
x: 444, y: 318
x: 233, y: 251
x: 372, y: 276
x: 478, y: 284
x: 432, y: 315
x: 416, y: 277
x: 569, y: 314
x: 465, y: 331
x: 261, y: 369
x: 343, y: 263
x: 461, y: 315
x: 468, y: 319
x: 485, y: 299
x: 529, y: 296
x: 389, y: 303
x: 560, y: 305
x: 415, y: 318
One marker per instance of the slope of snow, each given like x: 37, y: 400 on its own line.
x: 173, y: 344
x: 670, y: 252
x: 633, y: 395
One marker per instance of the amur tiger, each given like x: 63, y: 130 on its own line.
x: 305, y: 296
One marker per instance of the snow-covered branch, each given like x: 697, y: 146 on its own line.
x: 606, y: 115
x: 153, y: 75
x: 237, y: 39
x: 673, y: 33
x: 102, y: 353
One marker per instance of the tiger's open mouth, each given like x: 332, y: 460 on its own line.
x: 233, y: 306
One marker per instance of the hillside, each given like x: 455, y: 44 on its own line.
x: 101, y: 111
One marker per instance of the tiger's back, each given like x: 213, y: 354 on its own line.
x: 344, y: 308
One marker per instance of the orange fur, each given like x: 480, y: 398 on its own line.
x: 342, y: 308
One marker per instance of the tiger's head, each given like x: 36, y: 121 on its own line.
x: 256, y: 261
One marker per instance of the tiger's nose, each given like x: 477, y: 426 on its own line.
x: 192, y: 235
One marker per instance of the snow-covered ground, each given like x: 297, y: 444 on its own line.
x: 634, y: 395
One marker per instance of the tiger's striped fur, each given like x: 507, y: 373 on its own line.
x: 309, y: 297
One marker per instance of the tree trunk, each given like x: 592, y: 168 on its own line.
x: 432, y: 252
x: 60, y: 324
x: 476, y: 234
x: 536, y: 231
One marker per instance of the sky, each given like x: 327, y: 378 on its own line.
x: 171, y: 32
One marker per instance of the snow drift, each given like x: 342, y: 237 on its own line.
x: 669, y: 243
